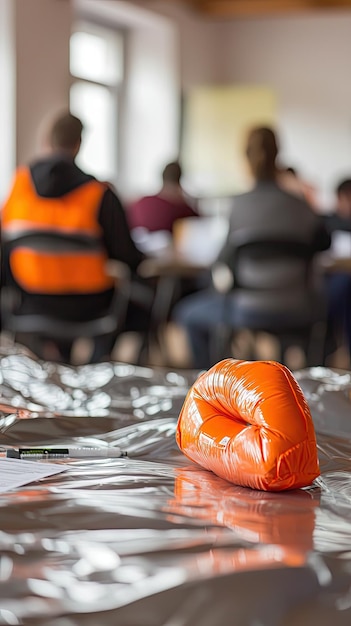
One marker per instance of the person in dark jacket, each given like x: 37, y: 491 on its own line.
x: 265, y: 208
x: 55, y: 194
x: 340, y: 218
x: 338, y: 282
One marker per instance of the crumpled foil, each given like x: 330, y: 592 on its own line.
x: 151, y: 539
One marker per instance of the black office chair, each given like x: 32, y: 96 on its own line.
x: 274, y: 290
x: 49, y: 326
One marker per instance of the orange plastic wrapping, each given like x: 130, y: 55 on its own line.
x: 286, y: 526
x: 249, y: 423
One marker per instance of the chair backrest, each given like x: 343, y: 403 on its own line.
x: 42, y: 240
x: 48, y: 323
x: 262, y: 260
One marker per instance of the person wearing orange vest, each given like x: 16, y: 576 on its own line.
x: 53, y: 194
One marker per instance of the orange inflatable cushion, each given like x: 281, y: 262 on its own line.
x: 249, y: 423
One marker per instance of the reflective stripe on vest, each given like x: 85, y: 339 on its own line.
x: 75, y: 213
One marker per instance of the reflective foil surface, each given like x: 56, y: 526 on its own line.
x: 152, y: 539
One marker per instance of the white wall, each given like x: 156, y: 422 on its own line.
x: 304, y: 59
x: 152, y: 108
x: 42, y: 60
x: 200, y: 43
x: 7, y: 100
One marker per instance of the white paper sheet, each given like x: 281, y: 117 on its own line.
x: 17, y: 472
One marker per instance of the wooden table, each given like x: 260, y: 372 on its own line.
x: 168, y: 271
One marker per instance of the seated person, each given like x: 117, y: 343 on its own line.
x: 267, y: 205
x: 338, y: 282
x: 340, y: 218
x: 53, y: 194
x: 159, y: 212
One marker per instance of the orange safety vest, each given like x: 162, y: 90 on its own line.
x: 75, y: 213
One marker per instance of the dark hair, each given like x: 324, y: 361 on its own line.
x: 172, y: 173
x: 344, y: 186
x: 66, y: 132
x: 261, y: 151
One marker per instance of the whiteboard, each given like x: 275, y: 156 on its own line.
x: 216, y: 121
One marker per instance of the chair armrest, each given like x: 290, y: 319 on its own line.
x: 119, y: 271
x: 149, y: 268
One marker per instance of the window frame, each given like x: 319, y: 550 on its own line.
x: 116, y: 89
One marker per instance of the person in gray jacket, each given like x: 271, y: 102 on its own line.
x: 267, y: 208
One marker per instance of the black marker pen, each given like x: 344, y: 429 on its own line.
x: 64, y: 452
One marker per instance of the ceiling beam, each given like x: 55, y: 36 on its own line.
x: 246, y: 8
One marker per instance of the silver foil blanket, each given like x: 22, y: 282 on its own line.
x: 150, y: 539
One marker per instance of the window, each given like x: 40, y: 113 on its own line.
x: 96, y: 65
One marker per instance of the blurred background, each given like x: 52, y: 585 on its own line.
x: 155, y: 80
x: 158, y: 81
